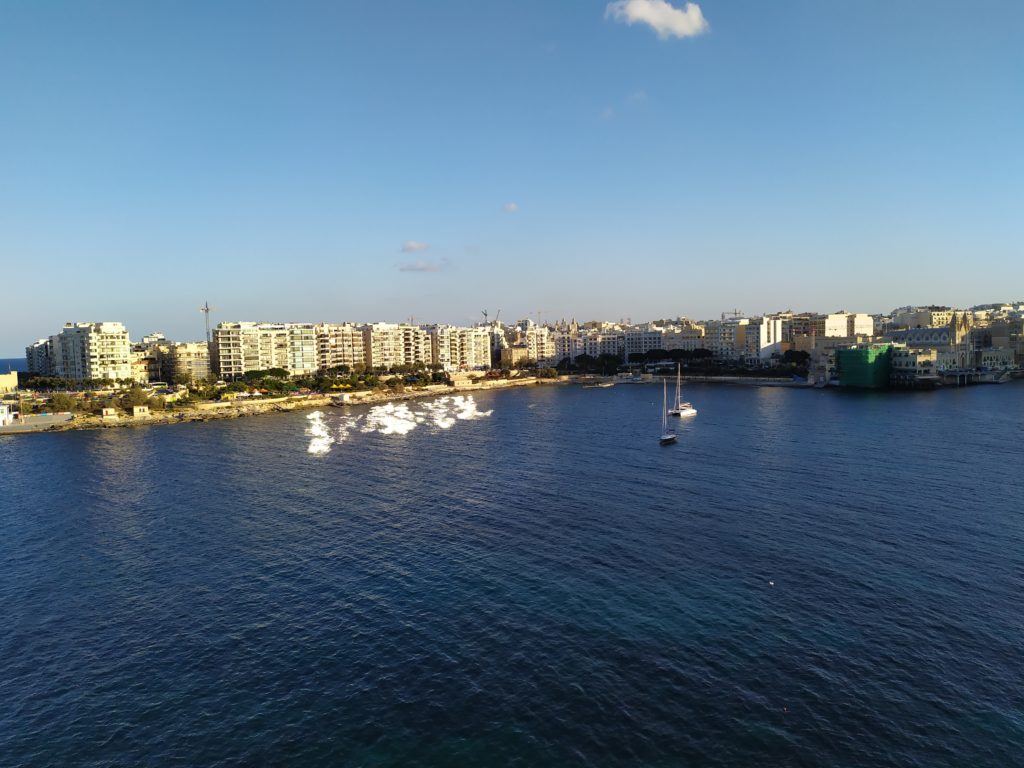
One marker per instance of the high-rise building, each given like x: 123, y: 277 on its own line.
x: 84, y: 351
x: 726, y: 339
x: 460, y: 349
x: 238, y: 347
x: 340, y: 344
x: 387, y: 345
x: 39, y: 357
x: 763, y: 338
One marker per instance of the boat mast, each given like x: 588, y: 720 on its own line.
x: 664, y: 407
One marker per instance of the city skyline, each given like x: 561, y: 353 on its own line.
x: 138, y: 334
x: 598, y: 160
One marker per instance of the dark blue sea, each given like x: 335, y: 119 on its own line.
x: 808, y: 578
x: 12, y: 364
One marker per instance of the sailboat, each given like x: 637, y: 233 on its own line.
x: 681, y: 409
x: 668, y: 436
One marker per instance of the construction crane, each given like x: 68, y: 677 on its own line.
x: 206, y: 309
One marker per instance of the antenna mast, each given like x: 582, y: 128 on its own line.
x: 206, y: 309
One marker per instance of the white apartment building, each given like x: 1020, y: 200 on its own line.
x: 590, y: 342
x: 39, y: 357
x: 568, y: 346
x: 686, y: 338
x: 238, y: 347
x: 460, y: 349
x: 599, y: 343
x: 86, y: 351
x: 302, y: 349
x: 726, y: 339
x: 248, y: 346
x: 388, y: 344
x: 340, y: 344
x: 763, y: 338
x: 540, y: 343
x: 640, y: 341
x: 848, y: 324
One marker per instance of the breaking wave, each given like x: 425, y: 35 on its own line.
x: 393, y: 419
x: 320, y: 440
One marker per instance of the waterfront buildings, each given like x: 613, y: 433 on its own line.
x: 540, y: 343
x: 985, y: 337
x: 238, y: 347
x: 762, y: 338
x: 189, y: 359
x: 459, y: 349
x: 339, y: 345
x: 388, y: 345
x: 726, y: 339
x: 595, y: 339
x: 913, y: 367
x: 866, y: 366
x: 687, y: 337
x: 83, y: 351
x: 39, y: 357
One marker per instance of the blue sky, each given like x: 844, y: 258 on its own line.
x: 532, y: 156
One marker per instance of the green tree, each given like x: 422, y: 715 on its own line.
x: 134, y: 396
x: 586, y: 363
x: 793, y: 357
x: 64, y: 402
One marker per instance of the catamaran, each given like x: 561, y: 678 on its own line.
x: 682, y: 409
x: 668, y: 436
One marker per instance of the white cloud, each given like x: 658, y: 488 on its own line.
x: 413, y: 246
x: 659, y: 15
x: 607, y: 113
x: 421, y: 266
x: 510, y: 207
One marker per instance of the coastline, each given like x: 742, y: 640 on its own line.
x: 233, y: 410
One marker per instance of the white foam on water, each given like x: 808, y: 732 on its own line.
x: 439, y: 412
x: 391, y: 419
x: 346, y: 425
x: 467, y: 409
x: 320, y: 441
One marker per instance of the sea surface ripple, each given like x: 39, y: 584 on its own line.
x: 807, y: 579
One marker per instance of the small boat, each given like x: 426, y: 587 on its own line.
x: 668, y: 436
x: 599, y: 385
x: 682, y: 409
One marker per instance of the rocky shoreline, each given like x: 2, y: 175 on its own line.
x: 235, y: 410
